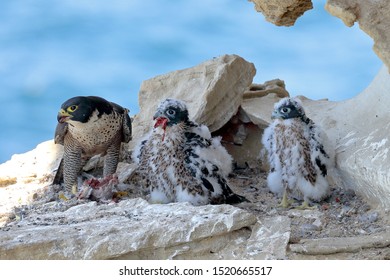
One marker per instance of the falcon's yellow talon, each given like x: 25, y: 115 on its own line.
x: 285, y: 203
x: 305, y: 206
x: 156, y: 202
x: 74, y: 189
x: 62, y: 196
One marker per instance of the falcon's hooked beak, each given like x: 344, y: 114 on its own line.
x: 63, y: 116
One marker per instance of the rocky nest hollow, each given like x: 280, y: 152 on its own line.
x: 343, y: 216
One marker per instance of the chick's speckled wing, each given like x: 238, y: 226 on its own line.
x: 321, y: 151
x: 209, y: 163
x: 268, y: 141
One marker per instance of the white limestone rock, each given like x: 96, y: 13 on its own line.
x: 360, y: 129
x: 24, y: 174
x: 135, y: 229
x: 33, y: 165
x: 259, y: 109
x: 257, y: 100
x: 213, y: 92
x: 282, y: 12
x: 275, y: 86
x: 268, y: 241
x: 353, y: 244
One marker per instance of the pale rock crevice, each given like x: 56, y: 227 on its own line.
x: 373, y: 17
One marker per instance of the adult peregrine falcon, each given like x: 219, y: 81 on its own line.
x: 179, y: 160
x: 298, y: 157
x: 88, y: 126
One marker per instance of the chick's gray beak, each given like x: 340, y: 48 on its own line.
x: 158, y: 114
x: 275, y: 115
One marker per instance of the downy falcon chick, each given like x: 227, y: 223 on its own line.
x: 88, y: 126
x: 299, y: 154
x: 179, y: 161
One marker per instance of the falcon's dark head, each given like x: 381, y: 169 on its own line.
x: 80, y: 108
x: 288, y: 108
x: 170, y: 112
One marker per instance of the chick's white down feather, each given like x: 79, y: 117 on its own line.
x: 300, y: 156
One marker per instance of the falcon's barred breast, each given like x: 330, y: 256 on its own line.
x: 300, y: 159
x: 179, y: 160
x: 88, y: 126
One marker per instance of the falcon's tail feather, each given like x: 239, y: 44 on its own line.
x: 235, y: 199
x: 59, y: 176
x: 229, y: 196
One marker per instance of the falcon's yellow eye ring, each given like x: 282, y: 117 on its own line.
x: 72, y: 108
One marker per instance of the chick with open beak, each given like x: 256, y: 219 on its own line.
x: 170, y: 113
x: 189, y: 166
x: 161, y: 122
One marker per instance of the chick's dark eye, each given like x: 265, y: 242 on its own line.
x: 170, y: 112
x: 285, y: 110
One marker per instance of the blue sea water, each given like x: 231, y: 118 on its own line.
x: 53, y: 50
